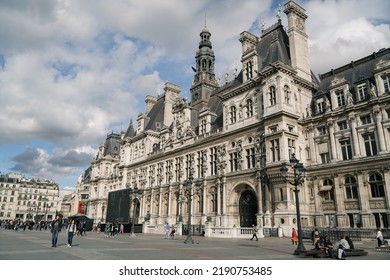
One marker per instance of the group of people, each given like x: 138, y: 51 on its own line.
x: 112, y: 229
x: 324, y: 243
x: 23, y: 225
x: 170, y: 230
x: 73, y: 228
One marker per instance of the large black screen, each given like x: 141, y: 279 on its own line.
x: 118, y: 208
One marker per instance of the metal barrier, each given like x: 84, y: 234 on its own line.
x: 196, y: 230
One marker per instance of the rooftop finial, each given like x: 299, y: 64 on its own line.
x: 278, y: 14
x: 205, y: 19
x: 262, y: 24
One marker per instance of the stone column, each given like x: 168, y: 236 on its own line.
x: 311, y: 144
x: 364, y: 200
x: 219, y: 206
x: 339, y: 197
x: 379, y: 128
x: 355, y: 140
x: 332, y: 140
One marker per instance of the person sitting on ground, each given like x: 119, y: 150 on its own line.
x: 321, y: 245
x: 341, y: 255
x: 344, y: 243
x: 329, y: 246
x: 349, y: 240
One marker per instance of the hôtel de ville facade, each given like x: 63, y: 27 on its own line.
x: 232, y: 138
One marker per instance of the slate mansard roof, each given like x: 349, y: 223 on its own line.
x: 355, y: 71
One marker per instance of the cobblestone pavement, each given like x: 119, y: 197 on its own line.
x: 36, y: 245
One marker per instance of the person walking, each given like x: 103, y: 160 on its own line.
x: 71, y: 229
x: 173, y: 230
x: 121, y: 229
x: 254, y: 232
x: 167, y: 230
x: 294, y: 237
x: 55, y: 229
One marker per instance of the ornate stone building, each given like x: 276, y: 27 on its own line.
x: 233, y: 138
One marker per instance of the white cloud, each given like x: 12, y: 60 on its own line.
x: 75, y: 70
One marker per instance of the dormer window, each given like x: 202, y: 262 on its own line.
x: 249, y: 107
x: 249, y: 70
x: 362, y: 91
x: 203, y: 126
x: 340, y: 98
x: 386, y: 82
x: 233, y: 114
x: 158, y: 126
x: 320, y: 106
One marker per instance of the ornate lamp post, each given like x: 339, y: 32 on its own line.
x: 134, y: 191
x: 188, y: 191
x: 180, y: 200
x: 299, y: 175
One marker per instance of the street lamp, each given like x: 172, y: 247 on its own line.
x: 188, y: 191
x: 180, y: 200
x: 134, y: 191
x: 299, y: 175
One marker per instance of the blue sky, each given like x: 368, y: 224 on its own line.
x: 73, y: 71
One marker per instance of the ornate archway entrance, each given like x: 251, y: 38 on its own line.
x: 248, y: 209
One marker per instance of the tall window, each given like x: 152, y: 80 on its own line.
x: 376, y: 184
x: 275, y: 150
x: 325, y: 157
x: 272, y: 96
x: 322, y: 130
x: 320, y: 106
x: 203, y: 127
x: 370, y: 144
x: 250, y: 158
x: 249, y: 70
x: 362, y: 91
x: 366, y: 119
x: 214, y: 201
x: 287, y: 94
x: 291, y: 147
x: 249, y: 108
x: 351, y: 190
x: 340, y: 98
x: 342, y: 125
x: 233, y: 161
x: 213, y: 161
x: 386, y: 82
x: 188, y: 167
x: 346, y: 149
x: 233, y: 114
x: 328, y: 190
x: 200, y: 165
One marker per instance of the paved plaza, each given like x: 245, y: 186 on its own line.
x: 36, y: 245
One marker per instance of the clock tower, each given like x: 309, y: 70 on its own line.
x: 204, y: 80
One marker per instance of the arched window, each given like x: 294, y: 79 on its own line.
x: 376, y: 184
x: 272, y: 96
x: 351, y: 191
x: 249, y: 108
x: 233, y: 114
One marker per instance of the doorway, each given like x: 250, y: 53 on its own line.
x: 248, y: 209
